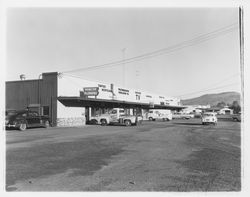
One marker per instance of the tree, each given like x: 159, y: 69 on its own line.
x: 221, y: 104
x: 235, y: 107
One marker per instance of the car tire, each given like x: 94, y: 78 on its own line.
x: 127, y: 123
x: 22, y: 126
x: 150, y: 118
x: 46, y: 124
x: 103, y: 122
x: 93, y: 121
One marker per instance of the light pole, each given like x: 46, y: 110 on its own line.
x: 123, y: 66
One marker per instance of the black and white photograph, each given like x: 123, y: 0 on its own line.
x: 123, y: 99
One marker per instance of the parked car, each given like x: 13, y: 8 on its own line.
x: 24, y: 119
x: 237, y: 117
x: 179, y: 115
x: 209, y: 118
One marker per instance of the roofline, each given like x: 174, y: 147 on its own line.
x: 65, y: 101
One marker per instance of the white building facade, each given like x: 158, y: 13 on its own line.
x: 73, y: 86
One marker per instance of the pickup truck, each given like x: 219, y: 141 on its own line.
x: 180, y: 115
x: 116, y: 116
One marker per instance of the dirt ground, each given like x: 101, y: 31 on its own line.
x: 179, y: 155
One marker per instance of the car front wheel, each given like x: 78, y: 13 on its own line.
x: 127, y: 123
x: 103, y: 122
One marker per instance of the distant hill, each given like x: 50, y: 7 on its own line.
x: 213, y: 99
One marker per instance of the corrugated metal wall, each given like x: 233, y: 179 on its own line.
x: 19, y: 94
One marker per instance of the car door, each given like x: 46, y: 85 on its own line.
x: 113, y: 116
x: 33, y: 119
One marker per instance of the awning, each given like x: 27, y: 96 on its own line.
x: 105, y: 103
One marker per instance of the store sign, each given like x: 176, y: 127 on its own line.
x: 91, y: 91
x: 123, y: 91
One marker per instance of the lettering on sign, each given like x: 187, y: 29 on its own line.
x: 91, y: 91
x: 123, y: 91
x: 101, y: 86
x: 106, y: 90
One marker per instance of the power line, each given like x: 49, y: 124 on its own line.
x: 194, y: 41
x: 232, y: 84
x: 210, y: 86
x: 86, y: 78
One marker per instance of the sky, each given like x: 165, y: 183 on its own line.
x: 62, y: 39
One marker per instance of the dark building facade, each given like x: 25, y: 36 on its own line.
x: 40, y: 93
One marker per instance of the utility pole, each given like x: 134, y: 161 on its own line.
x: 241, y: 31
x: 123, y: 66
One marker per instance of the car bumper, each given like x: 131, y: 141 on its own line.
x: 209, y: 121
x: 10, y: 126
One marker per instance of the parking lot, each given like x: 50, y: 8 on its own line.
x: 179, y: 155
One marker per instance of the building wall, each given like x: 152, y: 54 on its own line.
x: 20, y: 94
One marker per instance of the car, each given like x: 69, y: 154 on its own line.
x: 179, y: 115
x: 23, y: 119
x: 237, y: 117
x: 209, y: 118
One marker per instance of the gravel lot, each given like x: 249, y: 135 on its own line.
x: 180, y: 155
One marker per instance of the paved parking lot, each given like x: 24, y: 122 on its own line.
x: 180, y: 155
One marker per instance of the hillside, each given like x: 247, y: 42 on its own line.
x: 213, y: 99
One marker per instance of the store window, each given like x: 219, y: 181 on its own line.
x: 46, y: 110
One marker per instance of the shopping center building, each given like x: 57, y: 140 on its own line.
x: 71, y: 101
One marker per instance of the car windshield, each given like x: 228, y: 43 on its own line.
x: 10, y: 113
x: 113, y: 112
